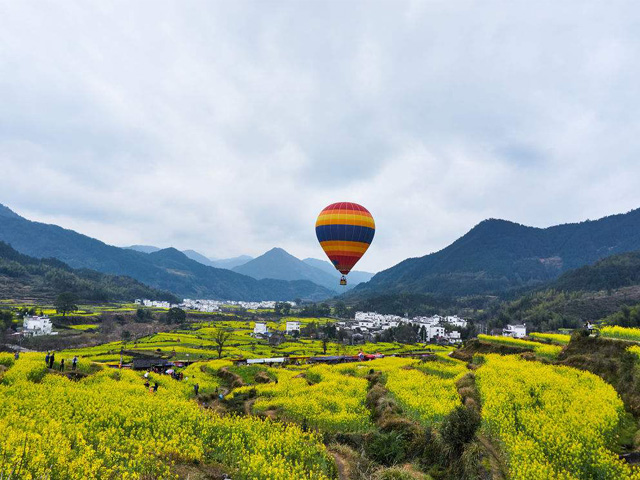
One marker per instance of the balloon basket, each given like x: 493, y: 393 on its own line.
x: 343, y: 280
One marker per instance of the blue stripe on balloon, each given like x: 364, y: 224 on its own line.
x: 349, y: 233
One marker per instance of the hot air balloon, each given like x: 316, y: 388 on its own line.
x: 345, y: 231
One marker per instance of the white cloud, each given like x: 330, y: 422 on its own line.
x: 227, y: 126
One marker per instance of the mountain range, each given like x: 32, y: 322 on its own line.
x: 166, y: 269
x: 494, y: 257
x: 498, y: 256
x: 228, y: 263
x: 277, y: 263
x: 23, y: 277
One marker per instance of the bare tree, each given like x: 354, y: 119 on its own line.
x: 220, y: 338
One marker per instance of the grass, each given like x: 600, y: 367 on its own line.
x: 549, y: 352
x: 84, y: 327
x: 557, y: 338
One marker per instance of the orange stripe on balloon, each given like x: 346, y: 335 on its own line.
x: 339, y: 250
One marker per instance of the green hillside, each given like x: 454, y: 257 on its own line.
x: 612, y: 272
x: 498, y: 256
x: 23, y: 277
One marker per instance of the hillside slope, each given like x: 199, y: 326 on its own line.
x: 589, y: 293
x: 229, y: 263
x: 23, y: 277
x: 617, y: 271
x: 497, y: 255
x: 166, y: 269
x: 198, y: 257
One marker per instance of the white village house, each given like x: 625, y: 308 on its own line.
x: 37, y: 326
x: 292, y: 327
x: 434, y: 332
x: 260, y: 328
x: 456, y: 321
x: 515, y: 331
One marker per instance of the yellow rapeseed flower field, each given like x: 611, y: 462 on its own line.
x: 621, y: 333
x: 553, y: 422
x: 108, y: 426
x: 322, y: 396
x: 558, y: 338
x: 542, y: 350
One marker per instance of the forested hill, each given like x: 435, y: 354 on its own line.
x: 24, y: 277
x: 497, y: 255
x: 166, y: 269
x: 613, y: 272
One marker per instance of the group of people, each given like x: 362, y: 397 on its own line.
x: 148, y: 386
x: 50, y: 358
x: 175, y: 375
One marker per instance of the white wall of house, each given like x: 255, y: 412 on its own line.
x: 515, y: 331
x: 293, y: 327
x: 260, y: 329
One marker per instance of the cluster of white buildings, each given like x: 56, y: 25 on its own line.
x: 34, y: 326
x: 209, y: 305
x: 154, y: 303
x: 260, y: 329
x: 434, y: 326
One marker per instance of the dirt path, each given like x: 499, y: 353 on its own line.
x: 342, y: 465
x: 248, y: 406
x: 498, y: 468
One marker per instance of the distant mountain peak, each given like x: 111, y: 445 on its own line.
x: 498, y: 223
x: 143, y: 248
x: 278, y: 251
x: 279, y: 264
x: 198, y: 257
x: 169, y: 253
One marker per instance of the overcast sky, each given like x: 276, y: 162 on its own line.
x: 227, y: 126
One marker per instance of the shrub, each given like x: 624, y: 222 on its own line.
x: 6, y: 359
x: 387, y: 448
x: 458, y: 429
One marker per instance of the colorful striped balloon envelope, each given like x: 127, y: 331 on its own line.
x: 345, y: 231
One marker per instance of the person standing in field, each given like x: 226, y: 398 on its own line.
x: 16, y: 355
x: 52, y: 358
x: 62, y: 365
x: 155, y: 387
x: 46, y: 359
x: 196, y: 389
x: 74, y: 363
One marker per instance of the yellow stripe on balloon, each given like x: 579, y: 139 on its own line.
x: 338, y: 246
x: 342, y: 219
